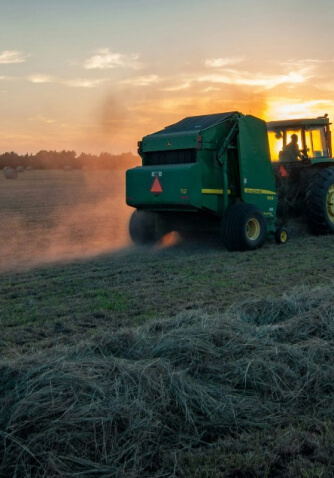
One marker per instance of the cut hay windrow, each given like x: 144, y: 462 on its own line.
x: 128, y: 403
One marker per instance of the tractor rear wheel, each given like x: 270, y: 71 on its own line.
x: 320, y: 202
x: 146, y: 227
x: 243, y: 228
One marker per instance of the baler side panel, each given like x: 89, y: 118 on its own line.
x: 180, y: 187
x: 212, y: 180
x: 257, y: 182
x: 212, y: 172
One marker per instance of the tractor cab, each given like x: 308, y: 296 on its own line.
x: 301, y: 156
x: 305, y: 140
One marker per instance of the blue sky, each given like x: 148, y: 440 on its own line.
x: 96, y: 75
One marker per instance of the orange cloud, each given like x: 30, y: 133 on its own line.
x: 76, y: 82
x: 222, y: 62
x: 236, y: 77
x: 141, y: 80
x: 105, y: 59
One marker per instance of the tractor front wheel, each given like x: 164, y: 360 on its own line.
x: 320, y: 202
x: 243, y: 228
x: 146, y: 227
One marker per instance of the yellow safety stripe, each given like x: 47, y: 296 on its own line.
x: 214, y: 191
x: 247, y: 190
x: 259, y: 191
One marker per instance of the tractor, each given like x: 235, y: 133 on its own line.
x: 304, y: 172
x: 214, y: 173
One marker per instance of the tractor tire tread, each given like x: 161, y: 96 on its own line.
x: 315, y: 199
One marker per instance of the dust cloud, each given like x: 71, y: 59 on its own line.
x: 52, y: 216
x: 124, y: 117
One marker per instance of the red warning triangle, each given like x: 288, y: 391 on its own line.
x: 156, y: 186
x: 283, y: 172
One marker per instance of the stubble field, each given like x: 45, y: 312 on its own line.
x: 182, y: 360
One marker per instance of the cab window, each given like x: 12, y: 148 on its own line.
x: 279, y: 139
x: 275, y: 144
x: 316, y: 142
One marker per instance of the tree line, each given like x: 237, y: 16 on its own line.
x: 69, y: 159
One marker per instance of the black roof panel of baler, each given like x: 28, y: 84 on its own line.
x: 196, y: 123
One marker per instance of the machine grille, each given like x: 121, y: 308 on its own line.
x: 178, y: 156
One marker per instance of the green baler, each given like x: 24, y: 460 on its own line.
x: 205, y: 172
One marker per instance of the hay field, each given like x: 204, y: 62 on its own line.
x: 183, y: 361
x: 53, y: 215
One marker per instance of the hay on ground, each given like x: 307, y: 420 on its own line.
x: 127, y: 403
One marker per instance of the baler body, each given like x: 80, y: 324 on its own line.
x: 202, y: 165
x: 188, y: 162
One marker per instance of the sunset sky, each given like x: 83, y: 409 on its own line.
x: 97, y: 75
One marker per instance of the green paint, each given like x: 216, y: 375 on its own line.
x: 205, y: 164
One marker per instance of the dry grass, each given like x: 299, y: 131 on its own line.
x: 230, y: 373
x: 135, y: 402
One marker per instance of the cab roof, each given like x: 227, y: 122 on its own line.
x: 322, y: 120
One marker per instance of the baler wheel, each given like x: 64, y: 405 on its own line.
x: 281, y: 235
x: 145, y: 227
x: 243, y: 228
x: 320, y: 202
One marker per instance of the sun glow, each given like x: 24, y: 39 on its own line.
x: 285, y: 108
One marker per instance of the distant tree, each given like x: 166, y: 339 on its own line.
x: 87, y: 160
x: 60, y: 159
x: 10, y: 159
x: 66, y: 158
